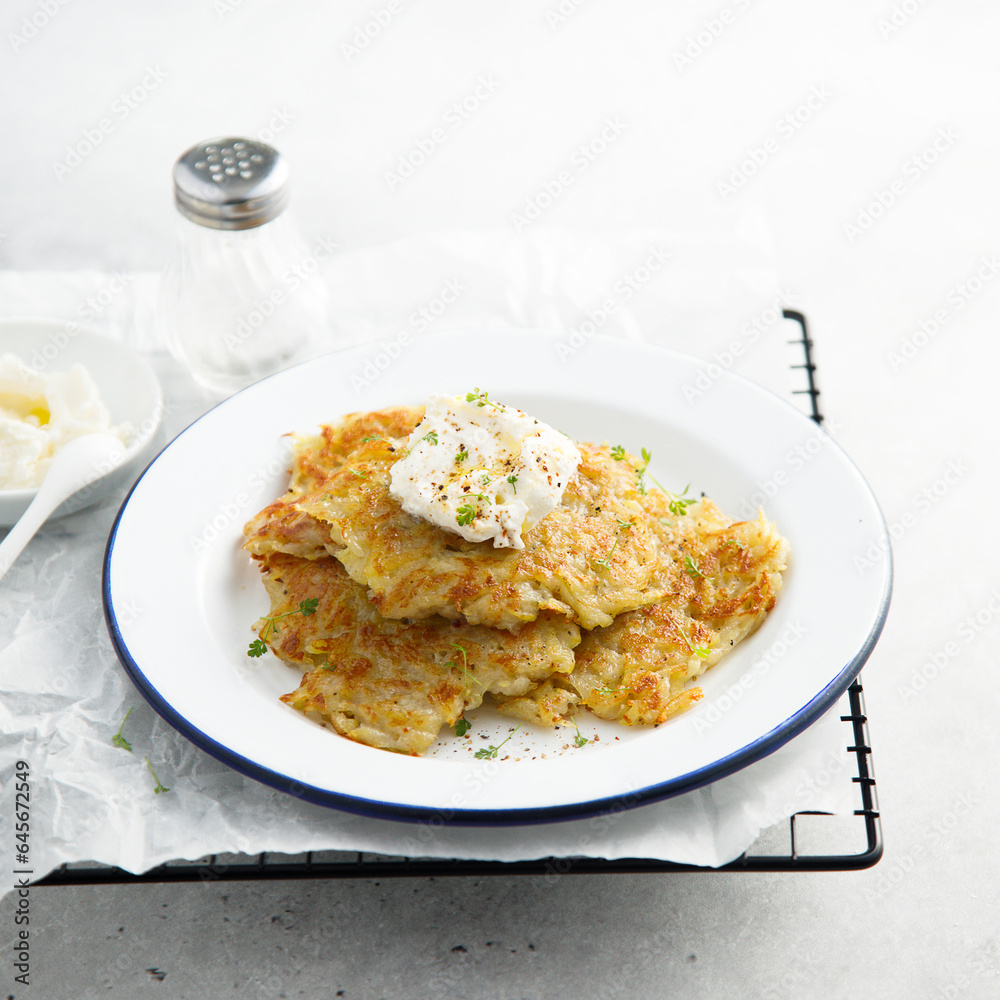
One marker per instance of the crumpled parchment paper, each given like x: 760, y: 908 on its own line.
x: 63, y: 694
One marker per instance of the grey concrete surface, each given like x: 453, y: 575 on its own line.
x: 882, y: 208
x: 523, y: 938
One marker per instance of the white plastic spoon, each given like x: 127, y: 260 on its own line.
x: 75, y: 466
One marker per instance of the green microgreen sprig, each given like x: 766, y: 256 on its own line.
x: 641, y: 472
x: 678, y: 502
x: 462, y: 725
x: 481, y: 399
x: 490, y: 752
x: 464, y: 667
x: 691, y: 568
x: 606, y: 561
x: 118, y: 739
x: 259, y: 646
x: 702, y: 652
x: 159, y: 789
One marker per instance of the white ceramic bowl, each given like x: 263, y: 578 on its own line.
x: 127, y: 385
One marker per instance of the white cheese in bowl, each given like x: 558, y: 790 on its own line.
x: 39, y: 414
x: 482, y: 469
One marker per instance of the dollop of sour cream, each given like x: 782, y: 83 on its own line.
x: 483, y: 470
x: 39, y: 414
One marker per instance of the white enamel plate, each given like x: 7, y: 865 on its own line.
x: 180, y: 595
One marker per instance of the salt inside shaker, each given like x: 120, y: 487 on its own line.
x: 235, y: 303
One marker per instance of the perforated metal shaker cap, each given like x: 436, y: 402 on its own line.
x: 231, y: 183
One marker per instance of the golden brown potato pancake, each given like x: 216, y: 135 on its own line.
x: 414, y: 624
x: 387, y: 683
x: 282, y: 526
x: 591, y: 558
x: 637, y: 669
x: 319, y: 455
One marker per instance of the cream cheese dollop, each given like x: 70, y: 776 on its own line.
x: 39, y: 414
x: 482, y: 469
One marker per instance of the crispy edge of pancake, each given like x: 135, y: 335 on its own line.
x: 591, y: 558
x: 637, y: 670
x: 281, y: 526
x: 389, y: 684
x: 551, y: 703
x: 317, y: 456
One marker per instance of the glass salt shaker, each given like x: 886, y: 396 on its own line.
x: 239, y: 300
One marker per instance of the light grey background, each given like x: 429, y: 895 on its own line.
x: 880, y: 196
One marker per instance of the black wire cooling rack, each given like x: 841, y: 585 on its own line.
x: 810, y: 841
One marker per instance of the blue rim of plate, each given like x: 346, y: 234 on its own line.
x: 384, y: 810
